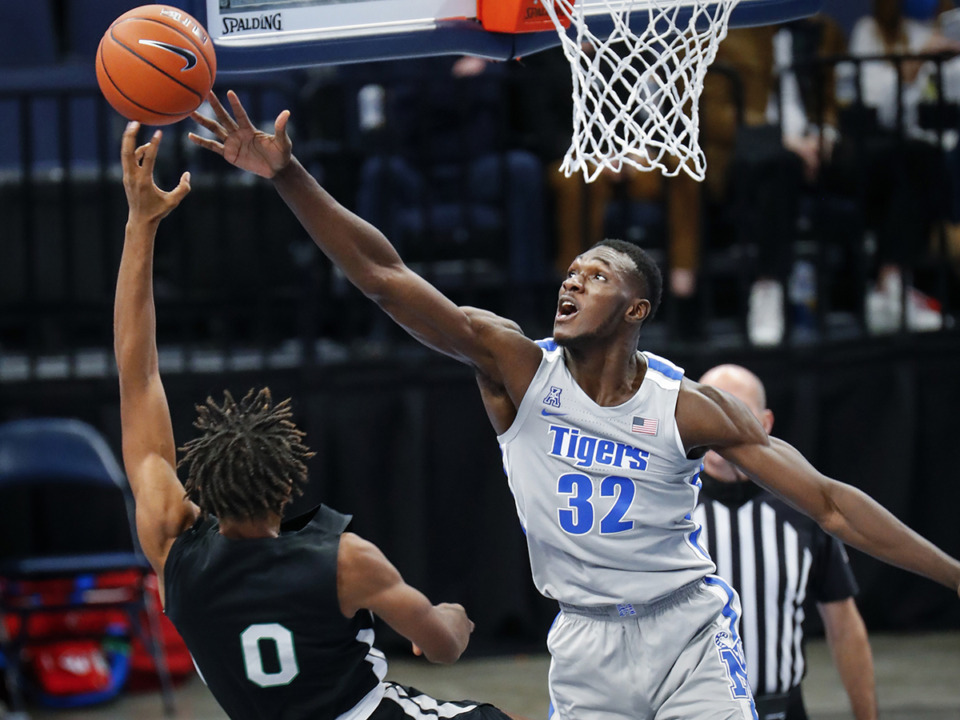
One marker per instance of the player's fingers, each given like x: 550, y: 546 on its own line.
x: 416, y: 650
x: 127, y: 145
x: 181, y: 190
x: 140, y: 153
x: 206, y: 143
x: 280, y: 126
x: 211, y: 125
x: 150, y: 150
x: 153, y: 147
x: 221, y: 112
x: 243, y: 120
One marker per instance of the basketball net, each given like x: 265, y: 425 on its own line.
x: 636, y: 94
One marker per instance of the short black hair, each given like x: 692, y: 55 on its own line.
x: 648, y: 273
x: 249, y: 459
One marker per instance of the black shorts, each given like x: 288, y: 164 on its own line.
x: 405, y: 703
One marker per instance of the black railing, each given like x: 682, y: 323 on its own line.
x: 239, y: 285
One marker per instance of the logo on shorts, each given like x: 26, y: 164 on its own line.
x: 626, y: 609
x: 731, y: 655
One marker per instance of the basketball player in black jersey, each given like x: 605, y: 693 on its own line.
x: 277, y: 617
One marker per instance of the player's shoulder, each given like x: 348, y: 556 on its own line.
x: 708, y: 417
x: 486, y: 321
x: 363, y: 569
x: 482, y: 317
x: 704, y: 397
x: 358, y: 554
x: 516, y: 354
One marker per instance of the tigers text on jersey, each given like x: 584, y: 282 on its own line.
x: 604, y: 494
x: 262, y: 619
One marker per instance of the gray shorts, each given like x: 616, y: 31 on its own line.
x: 677, y: 659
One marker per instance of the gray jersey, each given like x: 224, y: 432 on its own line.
x: 605, y: 494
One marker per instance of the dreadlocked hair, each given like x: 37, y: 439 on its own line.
x: 249, y: 459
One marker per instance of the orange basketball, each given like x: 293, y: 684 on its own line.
x: 156, y: 64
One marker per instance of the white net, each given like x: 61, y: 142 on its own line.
x: 636, y: 93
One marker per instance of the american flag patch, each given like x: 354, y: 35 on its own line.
x: 645, y: 426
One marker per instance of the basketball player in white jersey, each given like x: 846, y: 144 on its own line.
x: 602, y: 445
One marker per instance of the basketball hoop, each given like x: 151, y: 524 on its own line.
x: 636, y: 90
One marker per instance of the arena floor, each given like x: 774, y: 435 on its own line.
x: 918, y: 678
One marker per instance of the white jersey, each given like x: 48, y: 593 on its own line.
x: 605, y: 494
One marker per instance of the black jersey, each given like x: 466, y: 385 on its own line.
x: 262, y: 619
x: 778, y: 559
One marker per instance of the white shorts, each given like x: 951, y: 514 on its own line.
x: 676, y: 659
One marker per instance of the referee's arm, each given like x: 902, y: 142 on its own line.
x: 847, y: 638
x: 710, y: 419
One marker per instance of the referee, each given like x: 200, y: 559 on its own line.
x: 777, y: 558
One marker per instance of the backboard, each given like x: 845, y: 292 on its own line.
x: 252, y: 35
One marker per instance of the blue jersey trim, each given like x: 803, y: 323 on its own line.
x: 694, y: 537
x: 548, y: 344
x: 728, y: 611
x: 731, y: 615
x: 664, y: 369
x: 695, y: 541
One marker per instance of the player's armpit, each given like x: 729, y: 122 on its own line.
x: 503, y: 393
x: 163, y: 512
x: 367, y: 580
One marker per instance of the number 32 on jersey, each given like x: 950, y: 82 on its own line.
x: 579, y: 515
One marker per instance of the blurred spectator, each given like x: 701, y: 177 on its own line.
x: 756, y: 169
x: 773, y: 162
x: 890, y: 156
x: 544, y: 119
x: 441, y: 180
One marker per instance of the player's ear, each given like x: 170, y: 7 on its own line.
x: 639, y: 310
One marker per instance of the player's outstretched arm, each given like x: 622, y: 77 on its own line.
x: 149, y: 453
x: 847, y: 637
x: 367, y: 580
x: 366, y: 257
x: 711, y: 419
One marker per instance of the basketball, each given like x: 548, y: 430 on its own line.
x: 156, y: 64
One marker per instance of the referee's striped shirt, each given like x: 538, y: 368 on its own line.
x: 777, y: 559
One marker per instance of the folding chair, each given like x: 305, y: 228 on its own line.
x: 66, y: 512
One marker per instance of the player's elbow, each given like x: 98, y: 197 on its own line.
x: 829, y: 517
x: 385, y: 284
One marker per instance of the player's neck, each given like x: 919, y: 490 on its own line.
x: 608, y: 376
x: 250, y: 528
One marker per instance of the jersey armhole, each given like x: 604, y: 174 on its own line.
x: 675, y: 426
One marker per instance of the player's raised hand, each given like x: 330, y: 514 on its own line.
x: 145, y: 200
x: 240, y: 143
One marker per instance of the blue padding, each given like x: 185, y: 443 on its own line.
x: 455, y: 37
x: 56, y: 449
